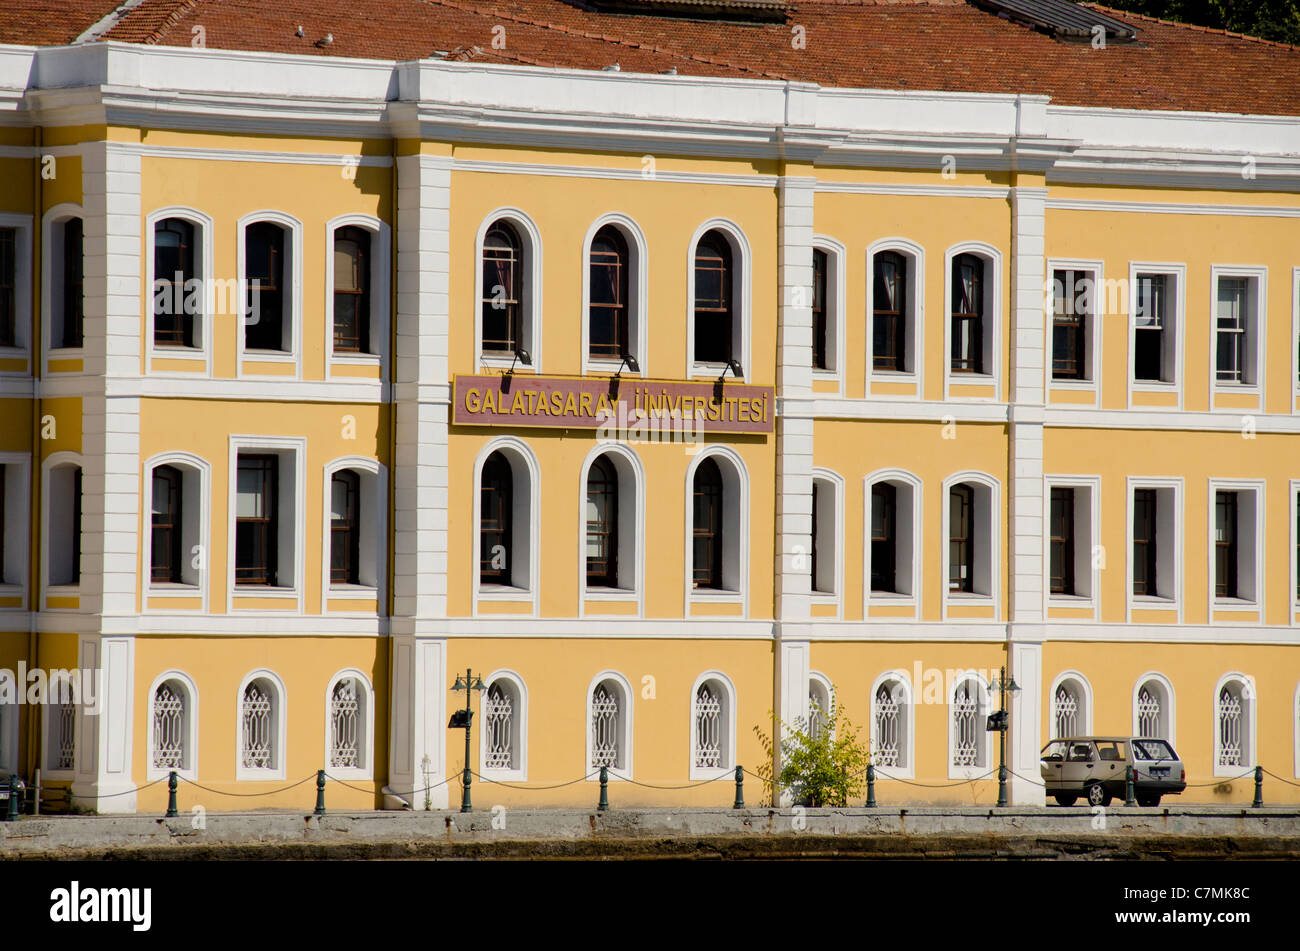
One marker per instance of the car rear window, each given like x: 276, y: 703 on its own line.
x: 1153, y: 749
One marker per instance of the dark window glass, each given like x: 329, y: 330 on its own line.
x: 345, y: 528
x: 888, y: 317
x: 256, y: 520
x: 820, y: 342
x: 884, y: 537
x: 1225, y: 544
x: 264, y: 269
x: 1230, y: 330
x: 602, y: 525
x: 502, y: 289
x: 713, y: 299
x: 816, y: 496
x: 173, y: 268
x: 1071, y: 296
x: 8, y: 286
x: 967, y: 314
x: 1062, y: 542
x: 73, y: 283
x: 165, y: 543
x: 1144, y: 542
x: 495, y: 516
x: 1297, y: 547
x: 607, y: 313
x: 76, y: 526
x: 3, y: 578
x: 706, y: 560
x: 961, y: 511
x: 351, y: 290
x: 1149, y: 327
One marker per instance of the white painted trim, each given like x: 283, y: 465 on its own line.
x: 1169, y: 706
x: 1254, y: 603
x: 1091, y: 484
x: 377, y: 511
x: 367, y: 733
x: 297, y: 446
x: 907, y: 770
x: 53, y: 461
x: 916, y: 488
x: 1295, y: 336
x: 627, y: 703
x: 1293, y: 532
x: 531, y: 301
x: 919, y: 191
x: 23, y: 324
x: 280, y: 708
x: 1093, y: 334
x: 1295, y: 728
x: 522, y: 462
x: 631, y: 475
x: 836, y: 596
x: 293, y: 297
x: 519, y: 773
x: 638, y: 293
x: 1256, y: 329
x: 837, y: 311
x: 818, y: 680
x: 15, y: 573
x: 54, y: 217
x: 984, y: 708
x: 615, y: 174
x: 1250, y: 712
x: 741, y: 297
x: 1170, y: 208
x: 914, y: 343
x: 993, y: 318
x: 1164, y: 548
x: 380, y: 295
x: 191, y: 771
x: 202, y: 588
x: 729, y: 714
x: 735, y: 479
x: 993, y: 552
x: 1085, y: 695
x: 205, y: 322
x: 1178, y: 271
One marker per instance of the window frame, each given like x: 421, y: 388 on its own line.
x: 630, y: 517
x: 728, y: 727
x: 986, y: 509
x: 637, y: 296
x: 201, y: 354
x: 519, y: 772
x: 835, y: 307
x: 1252, y: 345
x: 907, y: 749
x: 53, y: 223
x: 908, y: 538
x: 191, y: 770
x: 54, y: 461
x: 984, y: 707
x: 1293, y: 580
x: 372, y: 553
x: 366, y: 709
x: 1173, y: 346
x: 1087, y: 534
x: 279, y: 748
x: 627, y: 711
x: 827, y: 553
x: 21, y: 348
x: 1084, y: 686
x: 196, y: 480
x: 991, y: 348
x: 1295, y: 337
x: 1170, y: 534
x: 1250, y: 731
x: 914, y: 357
x: 15, y: 567
x: 293, y: 317
x: 735, y: 551
x: 1169, y: 707
x: 1093, y: 329
x: 1249, y: 546
x: 291, y: 453
x: 525, y: 526
x: 741, y: 280
x: 530, y: 317
x: 380, y: 297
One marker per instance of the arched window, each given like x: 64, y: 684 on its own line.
x: 707, y: 538
x: 347, y: 724
x: 495, y: 518
x: 61, y: 740
x: 609, y: 266
x: 62, y: 504
x: 821, y: 345
x: 8, y: 723
x: 73, y: 285
x: 820, y: 712
x: 170, y: 727
x: 173, y: 268
x: 884, y: 537
x: 968, y: 328
x: 502, y: 289
x: 961, y: 541
x: 889, y: 725
x: 259, y: 727
x: 345, y: 527
x: 608, y: 728
x: 602, y: 524
x: 1234, y: 711
x: 498, y: 724
x: 714, y: 299
x: 264, y: 270
x: 1068, y: 714
x: 165, y: 552
x: 1153, y: 708
x: 351, y: 290
x: 968, y: 737
x: 708, y: 726
x: 889, y: 311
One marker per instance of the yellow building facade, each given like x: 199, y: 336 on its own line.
x: 1011, y: 384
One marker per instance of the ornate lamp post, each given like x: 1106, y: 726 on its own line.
x: 998, y: 722
x: 460, y: 719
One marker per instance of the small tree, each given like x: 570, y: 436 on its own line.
x: 822, y: 762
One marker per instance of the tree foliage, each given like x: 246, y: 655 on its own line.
x: 1269, y: 19
x: 822, y: 763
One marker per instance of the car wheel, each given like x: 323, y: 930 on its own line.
x: 1065, y: 800
x: 1148, y: 801
x: 1097, y: 795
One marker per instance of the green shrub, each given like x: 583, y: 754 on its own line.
x: 823, y: 763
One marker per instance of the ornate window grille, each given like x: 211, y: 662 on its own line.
x: 966, y: 736
x: 498, y: 718
x: 816, y: 713
x: 65, y: 733
x: 1231, y: 716
x: 889, y: 727
x: 345, y: 724
x: 1065, y: 712
x: 257, y: 722
x: 1149, y: 713
x: 708, y: 728
x: 168, y: 727
x: 605, y: 728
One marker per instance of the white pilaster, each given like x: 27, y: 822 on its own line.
x: 103, y: 781
x: 1025, y: 737
x: 419, y: 720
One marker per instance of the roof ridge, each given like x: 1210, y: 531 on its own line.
x: 182, y: 7
x: 1191, y: 26
x: 602, y: 37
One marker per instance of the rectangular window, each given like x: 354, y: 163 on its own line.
x: 967, y: 314
x: 351, y: 290
x: 1145, y: 512
x: 1062, y: 542
x: 256, y: 520
x: 345, y: 528
x: 1072, y: 298
x: 173, y: 270
x: 1232, y: 327
x: 8, y: 287
x: 884, y: 537
x: 1152, y: 323
x: 888, y: 311
x: 264, y: 264
x: 166, y: 526
x: 1225, y: 544
x: 961, y: 502
x: 73, y: 284
x: 820, y: 324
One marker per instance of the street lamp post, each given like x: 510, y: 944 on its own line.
x: 998, y: 722
x: 461, y: 719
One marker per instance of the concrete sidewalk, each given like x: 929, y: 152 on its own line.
x: 1025, y: 832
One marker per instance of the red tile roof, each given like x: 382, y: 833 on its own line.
x: 946, y: 45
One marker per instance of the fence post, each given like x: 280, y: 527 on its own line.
x: 11, y: 814
x: 603, y: 805
x: 171, y: 795
x: 1128, y: 786
x: 740, y: 789
x: 1259, y: 788
x: 320, y: 792
x: 871, y: 786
